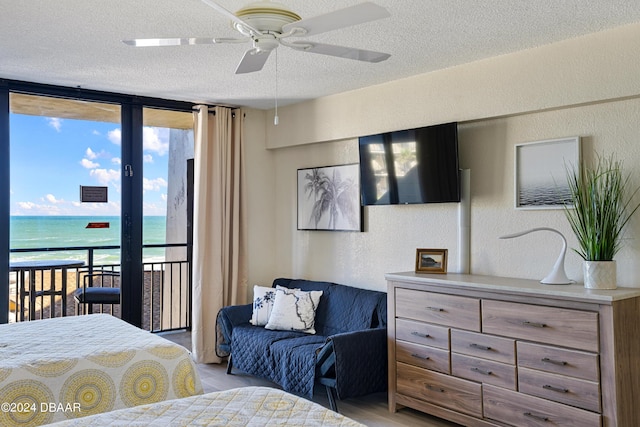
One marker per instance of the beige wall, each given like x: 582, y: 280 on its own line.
x: 586, y: 87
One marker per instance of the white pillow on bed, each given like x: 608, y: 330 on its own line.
x: 294, y: 310
x: 262, y: 304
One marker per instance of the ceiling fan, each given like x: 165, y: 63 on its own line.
x: 268, y: 25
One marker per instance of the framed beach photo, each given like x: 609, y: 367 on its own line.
x: 431, y: 260
x: 329, y: 198
x: 541, y: 172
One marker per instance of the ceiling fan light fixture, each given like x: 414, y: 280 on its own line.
x: 266, y: 16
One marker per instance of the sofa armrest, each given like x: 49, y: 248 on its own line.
x: 357, y: 360
x: 227, y: 318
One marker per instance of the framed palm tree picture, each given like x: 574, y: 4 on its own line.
x: 329, y: 198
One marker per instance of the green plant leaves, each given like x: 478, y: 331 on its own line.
x: 602, y: 207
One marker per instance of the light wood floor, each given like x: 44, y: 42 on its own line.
x: 370, y: 410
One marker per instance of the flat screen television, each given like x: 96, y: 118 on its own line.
x: 410, y: 166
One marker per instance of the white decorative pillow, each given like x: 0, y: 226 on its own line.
x: 262, y: 304
x: 294, y: 310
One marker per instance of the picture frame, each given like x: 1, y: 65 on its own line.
x: 329, y: 198
x: 540, y: 172
x: 431, y: 260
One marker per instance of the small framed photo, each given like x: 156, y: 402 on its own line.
x: 431, y: 260
x: 541, y: 173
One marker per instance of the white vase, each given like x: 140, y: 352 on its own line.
x: 600, y: 274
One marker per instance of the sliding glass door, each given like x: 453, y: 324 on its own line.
x: 65, y: 162
x: 83, y: 179
x: 167, y: 189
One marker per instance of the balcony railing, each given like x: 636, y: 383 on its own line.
x: 38, y: 292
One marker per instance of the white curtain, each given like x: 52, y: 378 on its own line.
x: 219, y: 264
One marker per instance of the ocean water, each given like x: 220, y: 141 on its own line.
x: 70, y: 231
x: 544, y: 196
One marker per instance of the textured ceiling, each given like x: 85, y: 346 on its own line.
x: 78, y: 43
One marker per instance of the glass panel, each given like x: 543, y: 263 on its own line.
x: 168, y: 147
x: 379, y: 166
x: 57, y: 146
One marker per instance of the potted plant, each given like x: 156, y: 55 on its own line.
x: 602, y: 206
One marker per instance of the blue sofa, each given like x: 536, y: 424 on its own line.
x: 348, y: 353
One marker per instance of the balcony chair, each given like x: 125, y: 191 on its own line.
x: 97, y: 288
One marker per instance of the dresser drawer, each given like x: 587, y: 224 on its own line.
x: 572, y: 363
x: 422, y: 333
x: 421, y: 355
x: 484, y: 346
x: 572, y: 391
x: 564, y: 327
x: 519, y: 409
x: 484, y: 371
x: 441, y: 309
x: 442, y: 390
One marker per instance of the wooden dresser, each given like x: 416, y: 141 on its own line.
x: 495, y: 351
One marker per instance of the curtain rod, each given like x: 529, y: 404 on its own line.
x: 212, y: 107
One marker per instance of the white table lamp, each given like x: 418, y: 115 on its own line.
x: 557, y: 276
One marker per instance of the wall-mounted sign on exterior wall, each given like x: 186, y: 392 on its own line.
x: 93, y: 194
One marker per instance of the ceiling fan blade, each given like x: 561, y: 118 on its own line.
x: 340, y: 51
x: 169, y: 42
x: 253, y: 60
x: 181, y: 41
x: 341, y: 18
x: 254, y: 31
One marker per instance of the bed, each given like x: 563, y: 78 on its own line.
x: 69, y: 367
x: 246, y: 406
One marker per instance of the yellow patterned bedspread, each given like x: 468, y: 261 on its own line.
x: 247, y: 406
x: 70, y: 367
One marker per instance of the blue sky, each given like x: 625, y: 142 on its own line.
x: 52, y: 157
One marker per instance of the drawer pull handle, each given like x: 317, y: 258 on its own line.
x: 559, y: 389
x: 419, y: 334
x: 418, y: 356
x: 481, y: 371
x: 555, y: 362
x: 537, y: 417
x: 435, y: 308
x: 480, y: 347
x: 434, y: 388
x: 534, y: 324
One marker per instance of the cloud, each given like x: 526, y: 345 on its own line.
x: 115, y: 136
x: 52, y: 199
x: 39, y: 209
x: 153, y: 184
x: 147, y: 158
x: 55, y: 123
x: 27, y: 205
x: 155, y: 140
x: 66, y: 208
x: 91, y: 155
x: 89, y: 164
x: 116, y: 161
x: 154, y: 209
x: 104, y: 176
